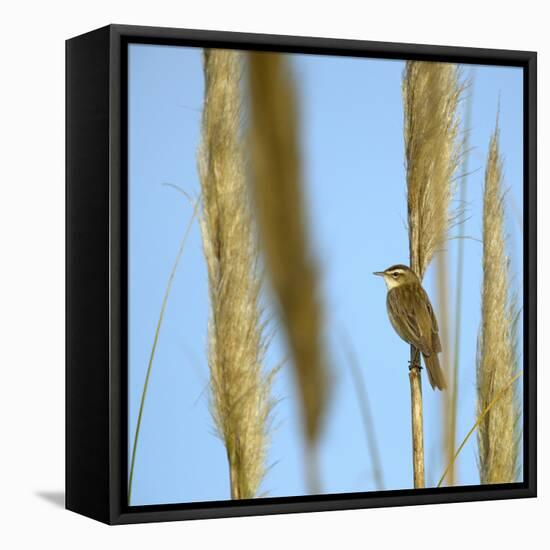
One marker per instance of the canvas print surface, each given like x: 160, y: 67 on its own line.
x: 325, y: 270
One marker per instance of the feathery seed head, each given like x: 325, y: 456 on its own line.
x: 497, y: 361
x: 239, y: 389
x: 431, y: 93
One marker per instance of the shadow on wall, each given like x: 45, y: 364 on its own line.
x: 56, y: 498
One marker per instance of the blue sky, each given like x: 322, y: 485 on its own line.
x: 354, y: 178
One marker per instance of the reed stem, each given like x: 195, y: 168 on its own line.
x: 417, y: 420
x: 460, y: 273
x: 442, y: 279
x: 431, y: 92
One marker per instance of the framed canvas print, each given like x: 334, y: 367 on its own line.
x: 301, y: 274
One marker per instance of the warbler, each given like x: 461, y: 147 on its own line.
x: 412, y: 316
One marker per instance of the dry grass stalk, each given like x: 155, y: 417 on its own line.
x: 459, y: 279
x: 448, y: 435
x: 154, y: 348
x: 239, y: 389
x: 431, y: 92
x: 477, y: 423
x: 417, y: 425
x: 276, y: 183
x: 497, y: 364
x: 366, y: 414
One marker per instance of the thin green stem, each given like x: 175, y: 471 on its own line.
x: 477, y: 423
x: 154, y: 347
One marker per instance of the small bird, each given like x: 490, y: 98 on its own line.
x: 413, y: 318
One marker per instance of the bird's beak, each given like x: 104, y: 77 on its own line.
x: 379, y: 273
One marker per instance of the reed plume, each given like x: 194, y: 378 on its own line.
x: 239, y: 388
x: 431, y: 93
x: 277, y: 190
x: 497, y: 363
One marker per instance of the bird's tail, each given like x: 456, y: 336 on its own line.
x: 435, y: 373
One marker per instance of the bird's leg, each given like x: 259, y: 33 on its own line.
x: 414, y: 365
x: 415, y: 361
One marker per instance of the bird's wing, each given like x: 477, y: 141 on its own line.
x: 436, y: 342
x: 411, y: 317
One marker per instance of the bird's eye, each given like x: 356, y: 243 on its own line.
x: 395, y: 274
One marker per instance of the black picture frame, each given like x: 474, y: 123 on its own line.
x: 96, y: 273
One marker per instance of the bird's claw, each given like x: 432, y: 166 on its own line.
x: 414, y: 364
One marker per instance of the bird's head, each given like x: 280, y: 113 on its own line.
x: 397, y: 275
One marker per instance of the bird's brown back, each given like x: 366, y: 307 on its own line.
x: 412, y: 317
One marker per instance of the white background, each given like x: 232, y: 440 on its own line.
x: 32, y: 272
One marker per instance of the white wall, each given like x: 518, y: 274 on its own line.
x: 32, y: 271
